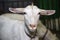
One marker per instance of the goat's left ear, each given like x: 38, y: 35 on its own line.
x: 47, y: 12
x: 16, y: 10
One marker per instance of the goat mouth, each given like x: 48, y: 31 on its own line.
x: 32, y: 28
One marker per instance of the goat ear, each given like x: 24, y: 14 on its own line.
x: 16, y: 10
x: 47, y: 12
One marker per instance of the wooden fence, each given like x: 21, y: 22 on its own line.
x: 53, y: 24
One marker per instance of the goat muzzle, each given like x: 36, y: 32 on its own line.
x: 32, y: 25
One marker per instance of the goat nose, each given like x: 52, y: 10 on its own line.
x: 32, y: 25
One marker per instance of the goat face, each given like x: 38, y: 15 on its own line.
x: 31, y: 15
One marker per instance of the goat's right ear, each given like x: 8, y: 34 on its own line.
x: 16, y: 10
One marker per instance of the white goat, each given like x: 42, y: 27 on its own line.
x: 24, y: 30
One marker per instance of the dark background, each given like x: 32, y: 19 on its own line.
x: 43, y: 4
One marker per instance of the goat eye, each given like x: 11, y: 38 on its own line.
x: 38, y: 13
x: 24, y: 13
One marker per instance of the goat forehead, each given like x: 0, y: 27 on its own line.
x: 32, y: 10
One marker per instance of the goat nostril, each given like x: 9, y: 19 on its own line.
x: 31, y: 25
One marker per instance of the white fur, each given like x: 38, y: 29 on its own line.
x: 12, y: 29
